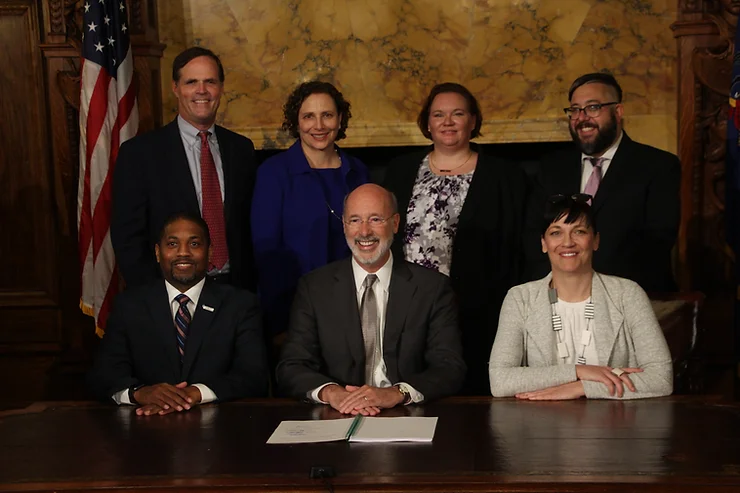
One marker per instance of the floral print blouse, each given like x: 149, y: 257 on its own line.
x: 432, y: 217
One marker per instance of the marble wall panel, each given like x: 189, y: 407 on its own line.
x: 518, y: 56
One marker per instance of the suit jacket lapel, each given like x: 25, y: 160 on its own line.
x: 348, y: 314
x: 224, y: 148
x: 161, y: 314
x: 199, y: 326
x: 540, y: 331
x: 400, y: 293
x: 179, y: 168
x: 607, y: 320
x: 621, y: 169
x: 479, y: 180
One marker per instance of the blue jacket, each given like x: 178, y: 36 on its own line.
x: 290, y: 226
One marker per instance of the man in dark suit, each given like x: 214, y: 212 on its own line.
x: 373, y: 331
x: 635, y: 188
x: 184, y: 340
x: 190, y: 165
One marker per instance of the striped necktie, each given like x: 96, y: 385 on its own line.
x: 182, y: 322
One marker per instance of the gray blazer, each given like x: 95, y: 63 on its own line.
x: 524, y: 354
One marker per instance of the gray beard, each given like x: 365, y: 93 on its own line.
x: 357, y: 254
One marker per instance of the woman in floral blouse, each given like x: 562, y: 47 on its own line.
x: 461, y: 214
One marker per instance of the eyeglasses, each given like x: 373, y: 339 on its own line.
x: 372, y: 221
x: 591, y: 110
x: 559, y: 198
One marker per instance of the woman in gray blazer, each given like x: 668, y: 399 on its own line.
x: 576, y: 332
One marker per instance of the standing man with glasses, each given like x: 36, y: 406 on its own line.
x: 371, y: 332
x: 189, y: 165
x: 635, y: 188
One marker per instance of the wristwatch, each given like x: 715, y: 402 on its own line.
x: 131, y: 391
x: 404, y: 392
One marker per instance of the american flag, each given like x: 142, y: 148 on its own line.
x: 108, y: 118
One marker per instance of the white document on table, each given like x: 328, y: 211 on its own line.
x: 401, y: 429
x: 328, y: 430
x: 365, y: 430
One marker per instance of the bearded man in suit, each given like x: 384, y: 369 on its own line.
x: 372, y: 331
x: 635, y: 188
x: 190, y: 165
x: 186, y: 340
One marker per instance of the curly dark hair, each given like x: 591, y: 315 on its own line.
x: 447, y: 87
x: 298, y: 96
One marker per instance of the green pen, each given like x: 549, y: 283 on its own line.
x: 353, y: 427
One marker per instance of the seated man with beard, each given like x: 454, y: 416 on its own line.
x: 635, y: 189
x: 371, y: 331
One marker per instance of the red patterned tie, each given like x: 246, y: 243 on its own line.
x: 213, y: 206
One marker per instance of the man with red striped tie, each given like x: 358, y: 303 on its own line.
x: 190, y: 165
x: 175, y: 343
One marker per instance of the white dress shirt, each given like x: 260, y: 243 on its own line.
x: 206, y: 394
x: 381, y: 288
x: 587, y: 167
x: 191, y: 143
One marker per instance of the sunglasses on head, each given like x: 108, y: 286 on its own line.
x: 559, y: 198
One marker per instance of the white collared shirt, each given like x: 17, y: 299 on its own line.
x: 191, y: 143
x: 587, y: 167
x: 206, y: 394
x: 381, y: 288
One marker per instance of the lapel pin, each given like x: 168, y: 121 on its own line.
x: 207, y: 308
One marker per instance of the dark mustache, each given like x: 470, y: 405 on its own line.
x: 181, y: 261
x: 586, y: 124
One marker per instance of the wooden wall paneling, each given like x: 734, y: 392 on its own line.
x: 29, y: 300
x: 705, y: 31
x: 46, y: 343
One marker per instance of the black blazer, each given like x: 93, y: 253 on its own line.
x: 152, y: 181
x: 637, y: 210
x: 421, y: 341
x: 486, y: 252
x: 224, y: 350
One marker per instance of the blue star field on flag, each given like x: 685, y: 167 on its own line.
x: 105, y: 38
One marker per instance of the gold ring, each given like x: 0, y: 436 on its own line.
x: 618, y: 371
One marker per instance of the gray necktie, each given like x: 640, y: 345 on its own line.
x: 370, y: 327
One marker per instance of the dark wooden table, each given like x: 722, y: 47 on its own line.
x: 677, y: 444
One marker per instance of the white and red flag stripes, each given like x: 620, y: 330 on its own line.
x: 108, y: 117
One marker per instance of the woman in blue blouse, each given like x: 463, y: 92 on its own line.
x: 298, y: 198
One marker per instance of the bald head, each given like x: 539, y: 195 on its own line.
x: 375, y: 193
x: 370, y: 221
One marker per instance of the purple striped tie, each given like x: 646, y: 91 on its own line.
x: 182, y: 322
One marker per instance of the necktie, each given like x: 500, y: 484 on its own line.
x: 370, y: 328
x: 213, y: 206
x: 592, y: 185
x: 182, y: 322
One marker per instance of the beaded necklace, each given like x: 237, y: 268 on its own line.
x: 557, y: 326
